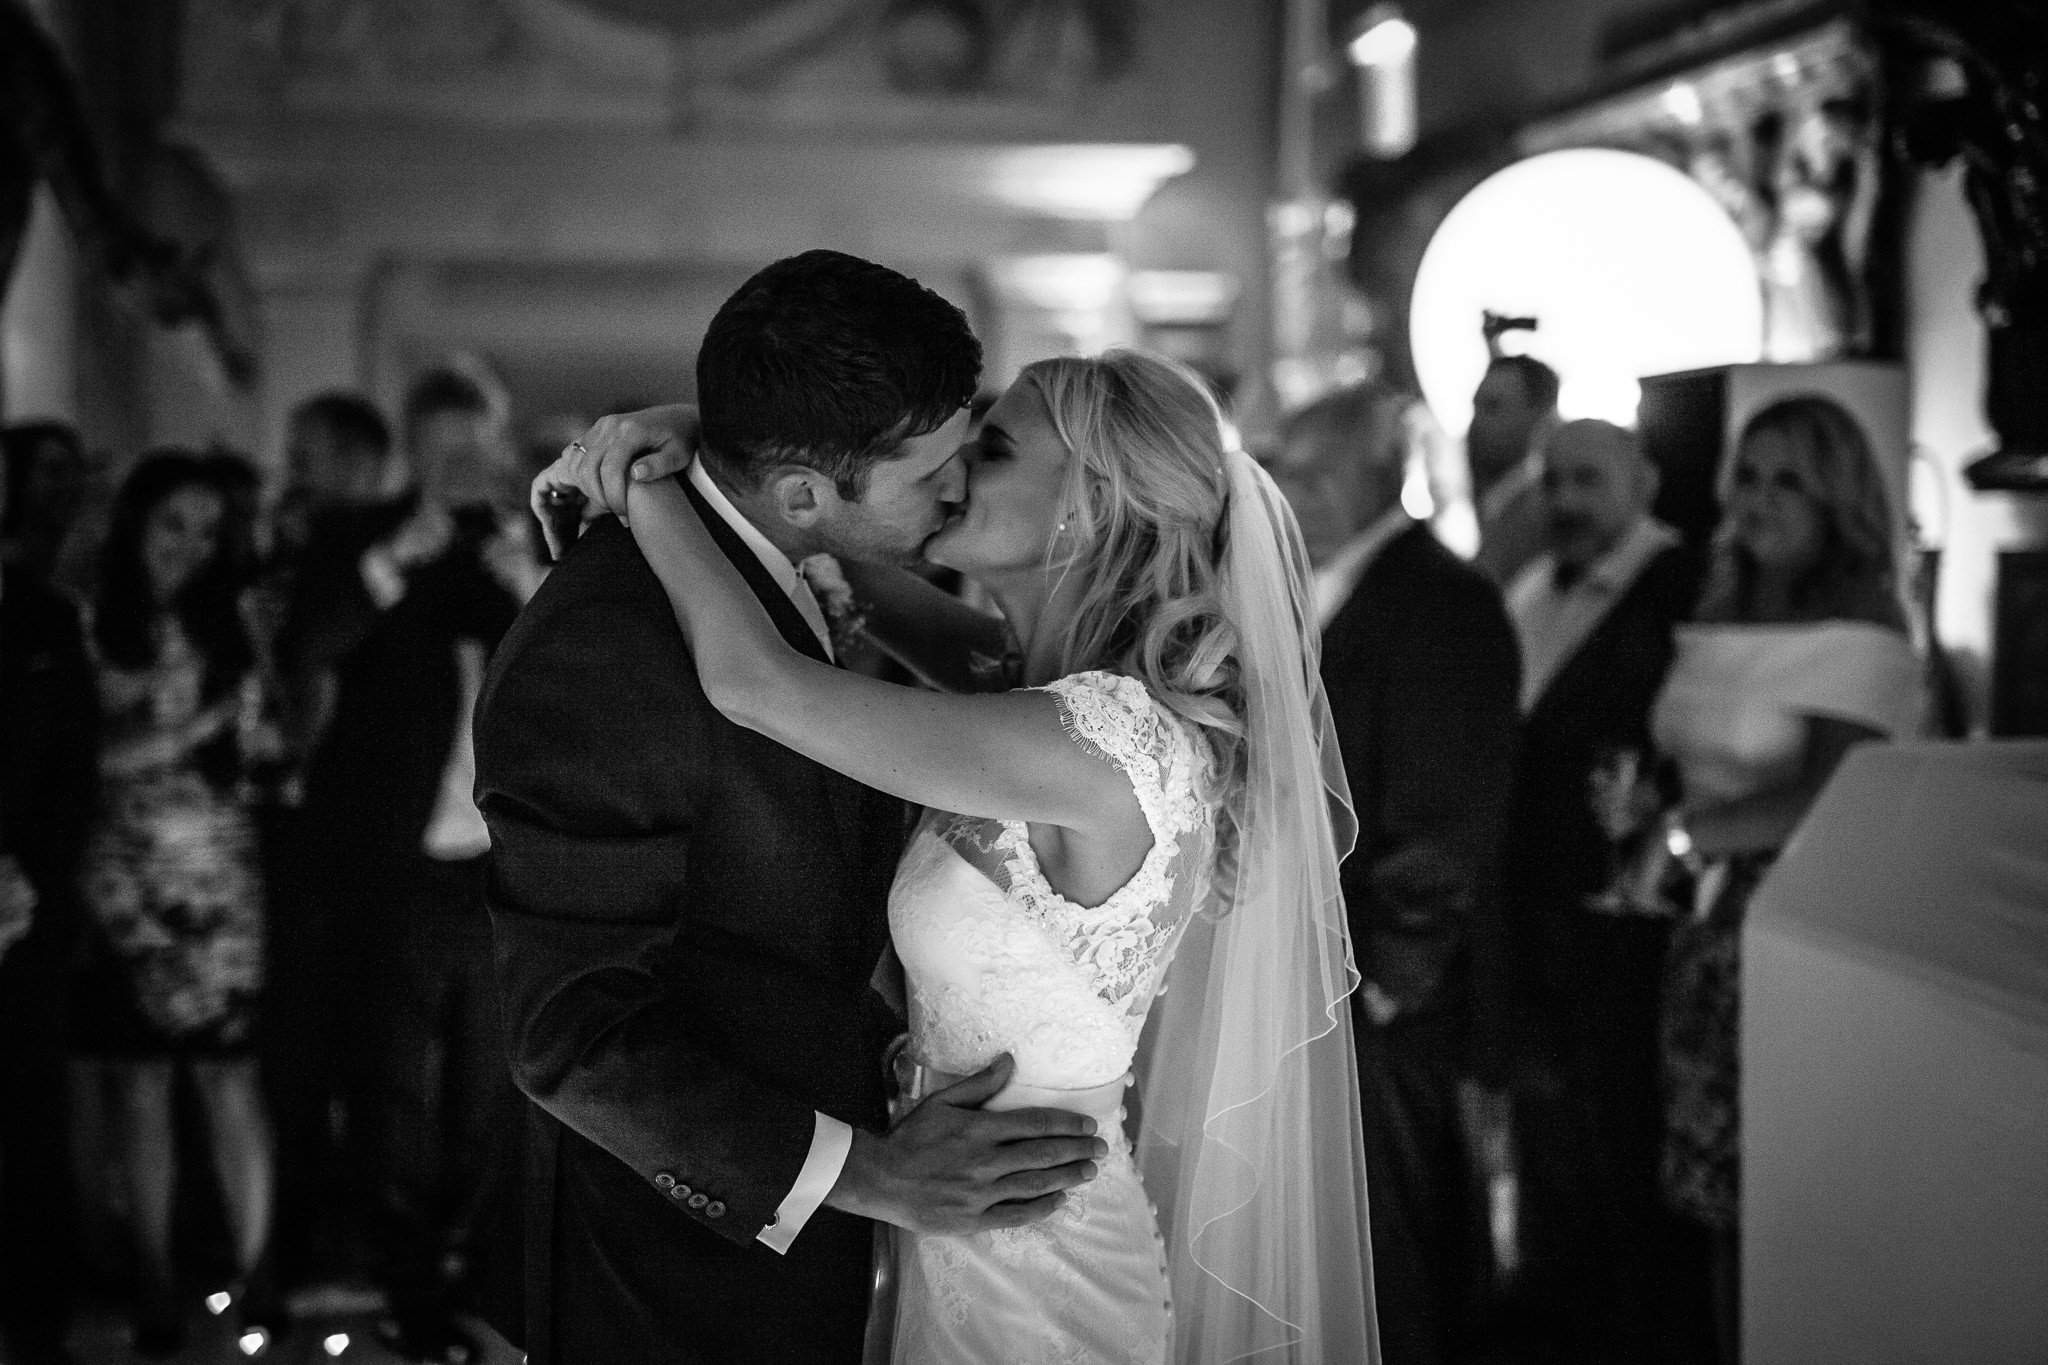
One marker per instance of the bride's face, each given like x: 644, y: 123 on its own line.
x: 1016, y: 472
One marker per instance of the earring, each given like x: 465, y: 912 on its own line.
x: 1062, y: 529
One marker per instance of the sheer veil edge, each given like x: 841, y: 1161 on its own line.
x: 1248, y: 1133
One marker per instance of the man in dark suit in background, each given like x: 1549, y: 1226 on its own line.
x: 1513, y: 410
x: 346, y: 490
x: 1420, y: 665
x: 688, y: 916
x: 1594, y: 614
x: 48, y: 758
x: 406, y: 630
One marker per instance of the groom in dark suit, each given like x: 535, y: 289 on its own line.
x: 688, y: 916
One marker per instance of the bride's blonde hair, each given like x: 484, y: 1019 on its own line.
x: 1143, y: 517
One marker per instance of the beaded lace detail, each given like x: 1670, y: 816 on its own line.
x: 1122, y: 942
x: 997, y: 960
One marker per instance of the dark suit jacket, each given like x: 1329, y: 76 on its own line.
x: 687, y: 916
x: 1599, y: 702
x: 49, y: 751
x: 377, y: 774
x: 1423, y: 672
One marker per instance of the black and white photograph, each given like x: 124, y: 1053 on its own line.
x: 1024, y: 682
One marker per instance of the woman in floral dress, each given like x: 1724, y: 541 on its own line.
x: 170, y: 873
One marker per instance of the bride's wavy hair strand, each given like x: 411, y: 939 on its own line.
x: 1145, y: 526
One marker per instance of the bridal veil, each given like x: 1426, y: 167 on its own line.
x: 1249, y: 1136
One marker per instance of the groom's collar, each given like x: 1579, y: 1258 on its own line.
x: 779, y: 565
x: 785, y: 575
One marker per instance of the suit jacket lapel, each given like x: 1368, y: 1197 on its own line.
x: 1592, y: 637
x: 842, y: 792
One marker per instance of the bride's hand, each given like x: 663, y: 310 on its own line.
x: 592, y: 475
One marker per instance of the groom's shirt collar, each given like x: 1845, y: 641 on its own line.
x: 786, y: 574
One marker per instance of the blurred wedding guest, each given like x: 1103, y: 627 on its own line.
x: 1419, y: 663
x: 48, y: 735
x: 1594, y: 614
x: 169, y: 874
x: 339, y: 460
x: 243, y: 533
x: 247, y: 554
x: 346, y: 490
x: 389, y: 802
x: 1800, y: 652
x: 51, y: 487
x: 1513, y: 410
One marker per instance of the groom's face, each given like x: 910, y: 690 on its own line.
x: 908, y: 499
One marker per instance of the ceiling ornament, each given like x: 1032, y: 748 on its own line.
x: 861, y: 65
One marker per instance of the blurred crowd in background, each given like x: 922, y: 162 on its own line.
x: 246, y: 950
x: 252, y: 960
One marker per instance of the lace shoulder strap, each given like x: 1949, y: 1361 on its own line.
x: 1114, y: 717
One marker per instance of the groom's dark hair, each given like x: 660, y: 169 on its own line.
x: 829, y: 361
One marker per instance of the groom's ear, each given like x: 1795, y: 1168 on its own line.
x: 799, y: 495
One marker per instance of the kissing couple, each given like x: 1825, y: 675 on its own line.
x: 1123, y: 1126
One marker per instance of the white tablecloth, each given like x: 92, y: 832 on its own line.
x: 1895, y: 1068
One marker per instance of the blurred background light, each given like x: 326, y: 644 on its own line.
x: 1610, y: 397
x: 1682, y: 102
x: 1061, y: 281
x: 1630, y: 268
x: 1387, y: 39
x: 1093, y: 182
x: 335, y: 1343
x: 1384, y: 54
x: 1182, y: 296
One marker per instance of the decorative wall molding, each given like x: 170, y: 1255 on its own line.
x: 929, y: 67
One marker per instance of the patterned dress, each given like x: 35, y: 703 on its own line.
x: 1733, y: 715
x: 170, y: 877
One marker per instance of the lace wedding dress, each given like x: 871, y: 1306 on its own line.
x: 995, y: 961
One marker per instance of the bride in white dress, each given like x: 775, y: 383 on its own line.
x: 1160, y: 806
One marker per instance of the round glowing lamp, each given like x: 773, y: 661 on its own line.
x: 1628, y: 266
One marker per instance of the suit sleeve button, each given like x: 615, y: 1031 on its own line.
x: 664, y: 1182
x: 698, y: 1201
x: 714, y: 1209
x: 679, y: 1193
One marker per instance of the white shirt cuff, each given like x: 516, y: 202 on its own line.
x: 831, y: 1140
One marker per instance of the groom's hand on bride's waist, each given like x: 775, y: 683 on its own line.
x: 952, y: 1167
